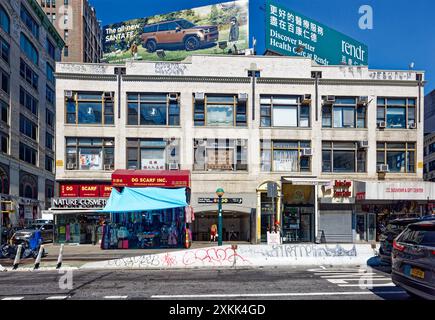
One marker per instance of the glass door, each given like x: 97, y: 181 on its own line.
x: 371, y: 226
x: 360, y: 227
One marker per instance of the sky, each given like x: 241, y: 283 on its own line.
x: 403, y: 31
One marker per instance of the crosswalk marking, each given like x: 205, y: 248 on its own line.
x: 371, y: 285
x: 115, y: 297
x: 57, y: 297
x: 12, y: 298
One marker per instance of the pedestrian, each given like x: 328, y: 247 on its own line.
x: 213, y: 233
x: 134, y: 50
x: 234, y: 30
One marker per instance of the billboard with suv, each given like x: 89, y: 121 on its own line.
x: 215, y: 29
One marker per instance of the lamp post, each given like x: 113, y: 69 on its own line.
x: 220, y: 192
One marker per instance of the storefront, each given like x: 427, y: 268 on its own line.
x: 77, y: 212
x: 238, y: 215
x: 379, y: 202
x: 148, y: 209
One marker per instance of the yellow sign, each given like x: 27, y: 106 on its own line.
x: 59, y: 163
x: 420, y: 165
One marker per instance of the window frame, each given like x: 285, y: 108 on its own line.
x: 266, y: 110
x: 106, y: 143
x: 34, y: 153
x: 346, y: 105
x: 5, y: 54
x: 298, y: 148
x: 140, y: 101
x: 25, y: 45
x: 385, y: 149
x: 331, y: 149
x: 104, y: 106
x: 200, y: 110
x: 384, y: 105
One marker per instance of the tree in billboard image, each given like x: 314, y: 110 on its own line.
x: 216, y: 29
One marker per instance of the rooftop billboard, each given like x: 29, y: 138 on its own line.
x: 293, y: 34
x: 215, y: 29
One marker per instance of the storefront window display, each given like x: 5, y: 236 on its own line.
x: 79, y: 228
x: 149, y: 229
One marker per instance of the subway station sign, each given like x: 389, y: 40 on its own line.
x: 293, y: 34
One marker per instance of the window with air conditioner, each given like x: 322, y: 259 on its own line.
x: 90, y: 153
x: 285, y: 156
x: 399, y: 156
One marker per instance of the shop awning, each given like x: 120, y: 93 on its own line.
x: 144, y: 199
x: 306, y: 181
x: 403, y: 190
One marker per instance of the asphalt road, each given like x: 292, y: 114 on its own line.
x: 263, y: 284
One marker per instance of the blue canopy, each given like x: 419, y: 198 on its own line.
x: 144, y: 199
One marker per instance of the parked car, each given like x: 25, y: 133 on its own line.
x: 176, y: 34
x: 392, y: 230
x: 45, y: 228
x: 413, y: 260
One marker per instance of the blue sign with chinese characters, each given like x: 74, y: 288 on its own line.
x: 293, y: 34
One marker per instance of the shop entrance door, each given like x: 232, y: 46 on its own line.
x: 371, y: 226
x: 361, y: 227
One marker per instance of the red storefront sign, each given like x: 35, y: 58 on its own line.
x: 342, y: 189
x: 144, y: 178
x: 105, y: 191
x: 69, y: 190
x: 85, y: 190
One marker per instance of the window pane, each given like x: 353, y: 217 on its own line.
x: 153, y: 159
x: 326, y: 161
x: 396, y: 117
x: 266, y: 160
x: 380, y: 157
x: 396, y: 161
x: 361, y: 117
x: 344, y: 161
x: 304, y: 120
x: 396, y: 101
x: 91, y: 159
x: 411, y: 161
x: 285, y: 100
x: 132, y: 114
x: 220, y: 115
x: 411, y: 115
x: 89, y: 112
x: 285, y: 160
x: 220, y: 99
x: 326, y: 116
x: 361, y: 164
x: 285, y: 116
x: 381, y: 114
x: 152, y: 114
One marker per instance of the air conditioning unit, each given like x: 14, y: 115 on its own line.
x: 242, y: 97
x: 382, y: 124
x: 173, y: 166
x: 382, y: 168
x: 241, y: 142
x: 363, y: 144
x: 307, y: 152
x: 71, y: 166
x: 108, y: 96
x: 330, y: 98
x: 306, y: 99
x: 108, y: 166
x: 413, y: 126
x: 363, y: 100
x: 173, y: 97
x: 68, y: 94
x: 199, y: 96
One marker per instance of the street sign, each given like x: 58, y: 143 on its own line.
x: 293, y: 34
x: 272, y: 189
x: 224, y: 200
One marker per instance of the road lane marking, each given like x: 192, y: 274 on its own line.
x: 57, y: 298
x: 364, y: 285
x: 362, y: 278
x: 12, y: 298
x: 115, y: 297
x: 351, y: 275
x: 293, y: 294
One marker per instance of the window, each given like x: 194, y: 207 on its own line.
x: 400, y: 156
x: 90, y: 108
x: 220, y: 111
x: 431, y: 166
x: 149, y: 29
x: 65, y: 51
x: 28, y: 127
x: 51, y: 49
x: 65, y: 35
x: 29, y: 49
x: 344, y: 113
x: 49, y: 141
x: 4, y: 50
x: 398, y: 113
x: 284, y: 155
x: 66, y: 2
x: 49, y: 118
x: 50, y: 73
x: 90, y: 153
x: 4, y: 142
x: 284, y: 111
x: 28, y: 74
x: 28, y: 154
x: 4, y: 20
x: 49, y: 163
x: 431, y: 148
x: 28, y: 101
x: 153, y: 154
x: 4, y: 112
x: 4, y: 81
x: 50, y: 95
x: 30, y: 23
x: 220, y: 155
x: 343, y: 157
x: 49, y: 192
x: 153, y: 109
